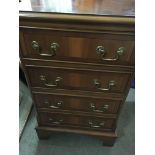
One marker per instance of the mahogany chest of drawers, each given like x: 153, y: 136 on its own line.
x: 79, y: 62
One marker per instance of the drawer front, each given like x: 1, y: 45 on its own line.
x: 77, y: 80
x: 80, y: 47
x: 54, y: 119
x: 59, y: 102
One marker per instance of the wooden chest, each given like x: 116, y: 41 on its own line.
x: 79, y: 62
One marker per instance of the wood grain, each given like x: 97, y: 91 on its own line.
x: 75, y: 104
x: 77, y: 80
x: 78, y: 27
x: 80, y: 47
x: 75, y: 121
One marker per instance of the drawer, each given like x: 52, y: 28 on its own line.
x: 72, y: 79
x: 79, y: 47
x: 55, y: 120
x: 81, y: 104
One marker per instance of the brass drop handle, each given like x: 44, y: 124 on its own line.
x: 58, y: 105
x: 46, y: 83
x: 95, y: 125
x: 55, y: 122
x: 100, y: 50
x: 98, y: 85
x: 103, y: 109
x: 53, y: 48
x: 54, y: 106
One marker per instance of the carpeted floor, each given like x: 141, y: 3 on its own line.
x: 75, y: 144
x: 25, y: 106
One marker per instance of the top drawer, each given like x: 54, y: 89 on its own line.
x: 78, y: 47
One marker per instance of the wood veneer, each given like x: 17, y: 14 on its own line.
x: 76, y: 79
x: 78, y: 29
x: 52, y: 102
x: 78, y: 46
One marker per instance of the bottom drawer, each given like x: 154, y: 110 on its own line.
x: 89, y: 122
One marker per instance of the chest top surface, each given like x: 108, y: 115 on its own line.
x: 123, y: 8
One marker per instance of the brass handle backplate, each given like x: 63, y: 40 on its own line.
x: 46, y: 83
x: 53, y: 48
x: 103, y: 109
x: 98, y: 85
x: 53, y: 122
x: 96, y: 125
x: 100, y: 50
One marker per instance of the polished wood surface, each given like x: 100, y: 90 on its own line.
x: 93, y: 7
x: 64, y: 120
x: 76, y: 104
x: 77, y: 80
x: 77, y: 65
x: 77, y: 46
x: 78, y: 27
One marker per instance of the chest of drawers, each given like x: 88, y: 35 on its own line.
x: 78, y: 64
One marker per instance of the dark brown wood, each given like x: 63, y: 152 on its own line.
x: 107, y: 137
x: 76, y: 121
x: 81, y: 104
x: 77, y: 80
x: 79, y: 93
x: 83, y: 51
x: 44, y: 135
x: 83, y: 22
x: 78, y: 30
x: 79, y: 65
